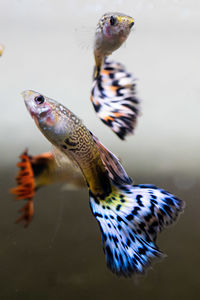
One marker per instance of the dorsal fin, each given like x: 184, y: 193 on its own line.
x: 115, y: 170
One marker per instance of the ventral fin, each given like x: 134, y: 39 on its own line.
x: 115, y: 170
x: 62, y: 159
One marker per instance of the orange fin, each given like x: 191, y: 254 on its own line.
x: 25, y: 178
x: 25, y: 189
x: 115, y: 170
x: 27, y: 213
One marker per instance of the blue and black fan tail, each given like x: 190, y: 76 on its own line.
x: 114, y: 98
x: 130, y: 219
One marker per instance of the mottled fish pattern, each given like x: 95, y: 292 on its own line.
x: 129, y: 220
x: 114, y: 99
x: 129, y: 216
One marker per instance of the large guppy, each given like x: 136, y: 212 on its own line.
x: 129, y: 216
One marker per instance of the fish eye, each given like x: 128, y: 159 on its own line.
x: 39, y: 99
x: 112, y: 20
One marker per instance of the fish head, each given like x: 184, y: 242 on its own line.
x: 53, y: 119
x: 116, y: 26
x: 39, y: 107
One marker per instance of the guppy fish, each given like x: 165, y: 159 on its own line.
x: 42, y: 170
x: 113, y: 91
x: 129, y: 216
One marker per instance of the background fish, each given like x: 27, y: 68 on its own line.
x: 129, y: 216
x: 113, y: 91
x: 41, y: 170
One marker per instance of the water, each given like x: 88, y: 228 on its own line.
x: 59, y: 256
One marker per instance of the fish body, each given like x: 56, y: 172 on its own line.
x: 66, y: 131
x: 111, y: 32
x: 129, y: 216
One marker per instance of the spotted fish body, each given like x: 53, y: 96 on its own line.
x: 113, y: 91
x: 66, y: 131
x: 129, y: 216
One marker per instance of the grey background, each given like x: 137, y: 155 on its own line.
x: 48, y: 48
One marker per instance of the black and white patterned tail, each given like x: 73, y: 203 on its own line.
x: 130, y: 218
x: 114, y: 98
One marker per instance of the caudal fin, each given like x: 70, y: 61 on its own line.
x: 30, y: 169
x: 42, y: 170
x: 114, y: 98
x: 130, y: 219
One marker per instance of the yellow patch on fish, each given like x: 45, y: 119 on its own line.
x: 125, y: 19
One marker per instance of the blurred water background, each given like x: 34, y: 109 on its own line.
x: 48, y: 48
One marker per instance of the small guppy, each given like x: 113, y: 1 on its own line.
x: 129, y: 216
x: 42, y: 170
x: 114, y: 90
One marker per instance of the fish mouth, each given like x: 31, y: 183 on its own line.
x: 131, y: 24
x: 27, y: 93
x: 28, y: 101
